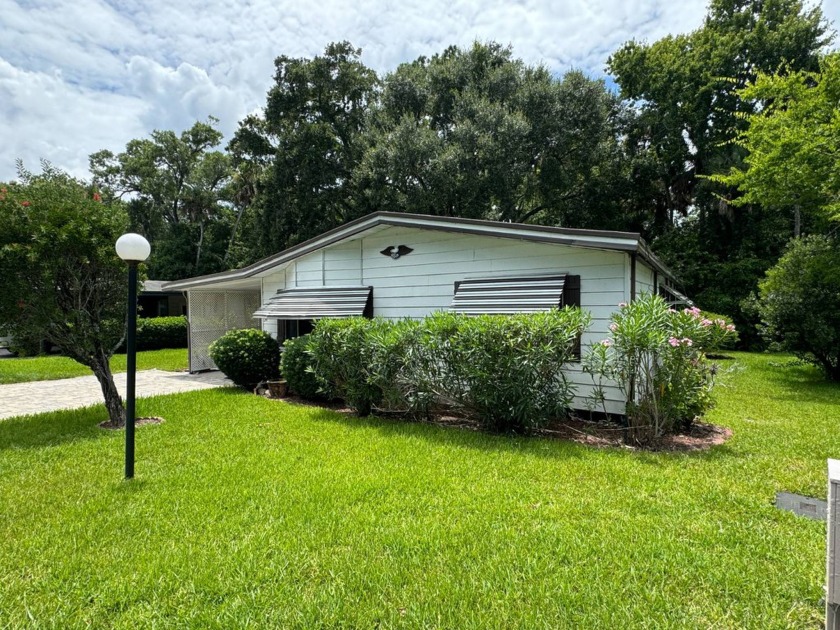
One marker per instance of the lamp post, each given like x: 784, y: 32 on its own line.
x: 133, y: 249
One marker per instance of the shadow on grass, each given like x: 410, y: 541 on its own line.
x: 538, y: 446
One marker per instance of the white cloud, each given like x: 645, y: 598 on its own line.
x: 79, y: 76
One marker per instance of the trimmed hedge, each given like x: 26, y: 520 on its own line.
x: 502, y: 370
x: 155, y: 333
x: 295, y: 367
x: 247, y: 357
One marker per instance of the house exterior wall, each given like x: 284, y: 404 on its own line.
x: 423, y: 281
x: 644, y: 278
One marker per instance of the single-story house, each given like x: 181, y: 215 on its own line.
x: 397, y: 265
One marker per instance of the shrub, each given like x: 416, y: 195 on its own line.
x: 341, y: 360
x: 656, y: 357
x: 295, y: 367
x: 154, y: 333
x: 247, y: 357
x: 504, y: 371
x: 799, y: 302
x: 721, y: 336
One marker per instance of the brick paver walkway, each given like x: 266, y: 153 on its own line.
x: 20, y: 399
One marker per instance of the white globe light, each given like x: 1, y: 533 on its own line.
x: 133, y: 247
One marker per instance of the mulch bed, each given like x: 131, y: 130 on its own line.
x: 138, y: 422
x: 599, y: 434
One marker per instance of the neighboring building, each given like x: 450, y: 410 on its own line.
x: 396, y: 265
x: 155, y: 302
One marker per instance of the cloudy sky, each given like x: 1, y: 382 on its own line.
x: 82, y: 75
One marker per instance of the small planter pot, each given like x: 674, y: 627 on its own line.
x: 278, y: 389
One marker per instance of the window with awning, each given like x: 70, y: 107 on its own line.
x: 502, y: 296
x: 318, y: 302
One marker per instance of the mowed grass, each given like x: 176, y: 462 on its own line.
x: 247, y: 512
x: 50, y: 368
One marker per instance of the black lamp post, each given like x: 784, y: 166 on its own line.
x: 133, y: 249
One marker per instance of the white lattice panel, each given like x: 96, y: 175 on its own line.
x: 211, y: 315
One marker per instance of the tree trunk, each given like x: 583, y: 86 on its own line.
x: 113, y: 401
x: 200, y: 243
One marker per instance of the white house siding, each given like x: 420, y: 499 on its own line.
x: 644, y: 278
x: 423, y: 281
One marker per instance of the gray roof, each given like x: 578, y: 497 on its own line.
x: 594, y: 239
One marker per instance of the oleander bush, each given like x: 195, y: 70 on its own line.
x: 502, y: 370
x: 156, y: 333
x: 296, y: 368
x: 342, y: 358
x: 247, y: 357
x: 656, y: 356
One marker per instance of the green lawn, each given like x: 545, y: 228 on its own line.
x: 248, y: 512
x: 19, y: 370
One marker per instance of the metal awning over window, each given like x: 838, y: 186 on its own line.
x: 314, y: 303
x: 502, y: 296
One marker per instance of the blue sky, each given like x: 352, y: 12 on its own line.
x: 80, y: 76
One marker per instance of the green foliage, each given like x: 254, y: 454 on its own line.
x: 689, y: 111
x: 62, y: 281
x: 296, y: 368
x: 477, y: 133
x: 723, y: 335
x: 154, y: 333
x: 656, y: 357
x: 793, y: 142
x: 305, y: 149
x: 503, y: 371
x: 800, y: 302
x: 247, y: 357
x: 179, y: 188
x: 342, y: 360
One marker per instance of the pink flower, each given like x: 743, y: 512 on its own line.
x: 622, y: 305
x: 706, y: 322
x: 731, y: 328
x: 672, y: 310
x: 25, y: 204
x: 687, y: 341
x: 674, y: 342
x: 721, y: 322
x: 606, y: 343
x: 613, y: 327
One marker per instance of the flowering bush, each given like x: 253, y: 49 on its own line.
x: 656, y: 356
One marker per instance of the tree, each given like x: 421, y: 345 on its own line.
x: 685, y: 89
x: 308, y: 144
x: 62, y: 280
x: 477, y: 133
x: 792, y: 142
x: 177, y: 191
x: 800, y: 302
